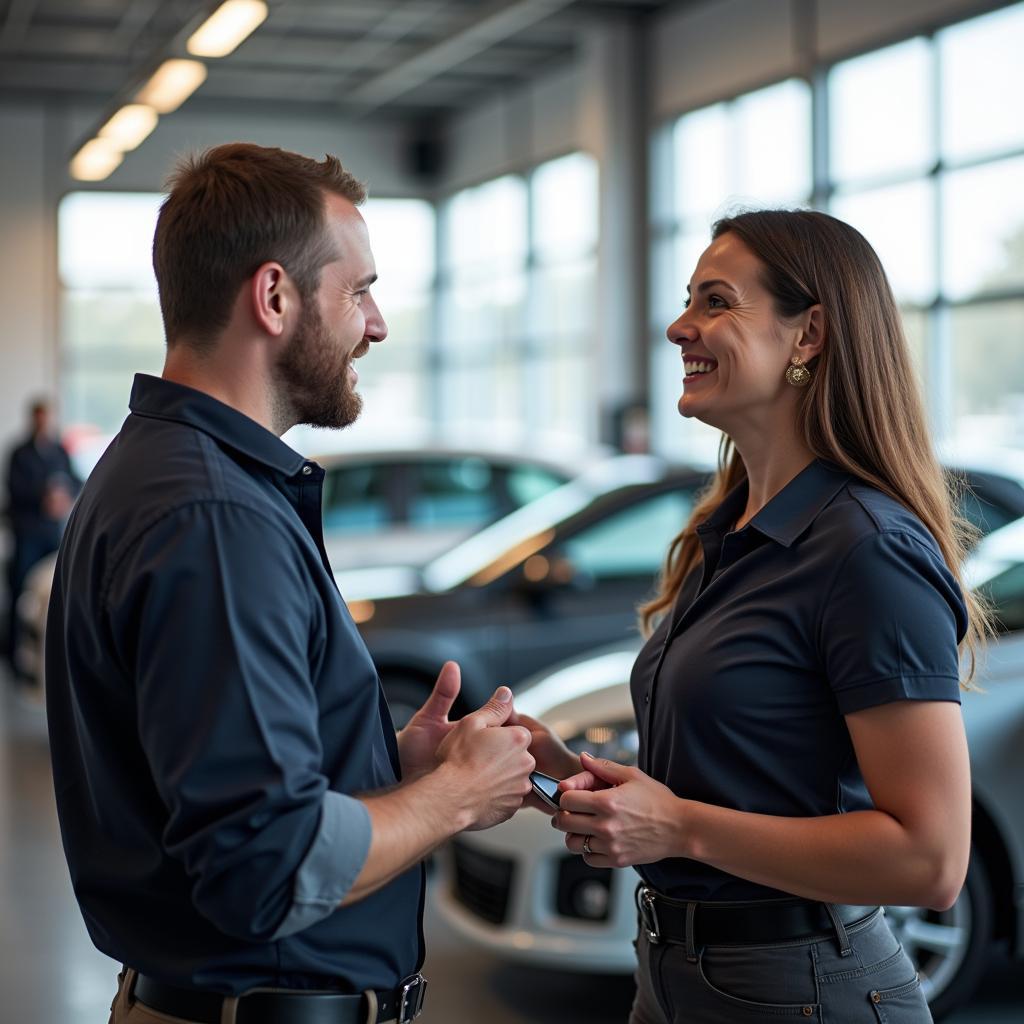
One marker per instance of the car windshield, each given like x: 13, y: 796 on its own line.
x: 494, y: 550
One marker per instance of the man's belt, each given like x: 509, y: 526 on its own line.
x: 277, y: 1006
x: 712, y: 923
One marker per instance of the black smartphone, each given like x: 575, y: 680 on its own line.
x: 546, y: 788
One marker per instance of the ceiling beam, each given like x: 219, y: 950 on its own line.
x: 499, y: 23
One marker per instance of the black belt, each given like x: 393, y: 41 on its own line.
x: 738, y: 923
x: 402, y: 1004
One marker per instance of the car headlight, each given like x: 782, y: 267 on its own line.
x: 616, y: 741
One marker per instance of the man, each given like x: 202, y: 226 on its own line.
x: 243, y: 830
x: 41, y: 486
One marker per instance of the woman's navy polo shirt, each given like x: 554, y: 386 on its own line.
x: 833, y: 598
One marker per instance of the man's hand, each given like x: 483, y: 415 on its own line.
x: 489, y: 761
x: 419, y: 740
x: 632, y: 820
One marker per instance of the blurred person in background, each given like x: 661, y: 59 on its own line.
x: 41, y: 488
x: 245, y: 832
x: 802, y: 754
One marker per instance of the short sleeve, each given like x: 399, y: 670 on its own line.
x: 891, y: 623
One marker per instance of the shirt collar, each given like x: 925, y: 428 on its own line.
x: 165, y: 400
x: 791, y: 511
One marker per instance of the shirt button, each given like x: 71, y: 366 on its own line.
x: 306, y: 470
x: 647, y: 698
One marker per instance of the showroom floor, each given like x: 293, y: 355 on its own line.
x: 50, y: 973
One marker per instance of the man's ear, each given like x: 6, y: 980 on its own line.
x: 273, y: 299
x: 812, y: 339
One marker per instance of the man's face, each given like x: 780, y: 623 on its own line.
x: 335, y: 327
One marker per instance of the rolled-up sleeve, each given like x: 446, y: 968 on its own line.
x: 891, y: 623
x: 215, y: 617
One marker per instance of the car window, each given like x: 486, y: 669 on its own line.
x: 633, y: 541
x: 526, y: 483
x: 356, y: 498
x: 453, y: 492
x: 1006, y: 592
x: 983, y: 515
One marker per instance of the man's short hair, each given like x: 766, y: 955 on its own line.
x: 228, y: 211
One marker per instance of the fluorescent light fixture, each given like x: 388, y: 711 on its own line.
x: 129, y: 126
x: 226, y: 28
x: 95, y: 160
x: 171, y: 84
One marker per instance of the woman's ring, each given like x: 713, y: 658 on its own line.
x: 586, y: 845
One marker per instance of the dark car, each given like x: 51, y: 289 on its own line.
x: 558, y: 577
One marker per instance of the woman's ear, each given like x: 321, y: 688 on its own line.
x: 812, y: 338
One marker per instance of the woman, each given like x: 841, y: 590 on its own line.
x: 802, y: 755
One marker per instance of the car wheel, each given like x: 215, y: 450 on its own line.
x: 405, y: 696
x: 949, y: 947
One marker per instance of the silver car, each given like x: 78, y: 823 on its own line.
x: 517, y: 891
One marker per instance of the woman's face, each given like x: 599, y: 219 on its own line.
x: 734, y: 348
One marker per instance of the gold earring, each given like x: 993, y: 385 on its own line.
x: 797, y: 374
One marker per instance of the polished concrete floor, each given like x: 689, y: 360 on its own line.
x: 51, y: 974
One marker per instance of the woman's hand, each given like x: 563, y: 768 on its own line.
x: 553, y: 757
x: 631, y: 820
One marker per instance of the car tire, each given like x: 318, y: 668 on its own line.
x: 405, y: 696
x: 950, y: 948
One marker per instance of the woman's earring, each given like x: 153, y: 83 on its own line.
x: 797, y: 374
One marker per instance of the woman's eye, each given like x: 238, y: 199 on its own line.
x: 716, y: 302
x: 686, y: 303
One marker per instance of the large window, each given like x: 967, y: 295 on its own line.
x: 922, y: 149
x: 517, y: 305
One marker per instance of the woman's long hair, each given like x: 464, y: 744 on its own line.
x: 861, y: 410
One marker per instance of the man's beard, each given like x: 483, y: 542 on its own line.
x: 312, y: 376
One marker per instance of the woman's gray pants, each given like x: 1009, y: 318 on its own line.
x: 801, y: 979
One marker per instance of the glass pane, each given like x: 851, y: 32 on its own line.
x: 454, y: 493
x: 111, y: 327
x: 98, y: 398
x: 355, y: 498
x: 561, y: 387
x: 480, y: 315
x: 915, y: 329
x: 774, y: 151
x: 988, y: 340
x: 899, y: 222
x: 565, y: 206
x: 105, y: 239
x: 487, y: 226
x: 402, y: 239
x: 632, y: 542
x: 880, y: 113
x: 983, y: 214
x: 982, y: 64
x: 701, y: 161
x: 526, y: 483
x: 564, y: 300
x: 483, y: 395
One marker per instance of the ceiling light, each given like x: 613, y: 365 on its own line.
x: 95, y: 160
x: 172, y: 83
x: 226, y: 27
x: 129, y: 126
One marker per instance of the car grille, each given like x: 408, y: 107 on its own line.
x: 483, y: 882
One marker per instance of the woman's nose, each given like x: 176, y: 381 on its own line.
x: 681, y: 330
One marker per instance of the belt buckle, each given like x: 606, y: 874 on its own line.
x: 410, y: 998
x: 649, y: 914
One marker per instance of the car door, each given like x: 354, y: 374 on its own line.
x: 582, y: 590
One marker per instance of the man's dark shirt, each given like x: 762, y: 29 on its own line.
x: 832, y: 599
x: 212, y: 708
